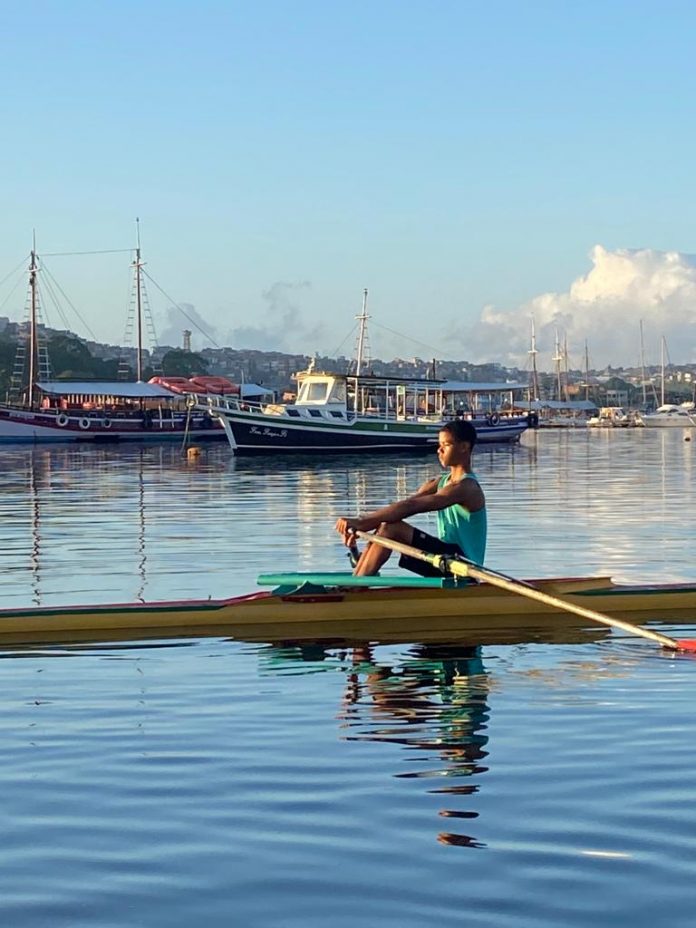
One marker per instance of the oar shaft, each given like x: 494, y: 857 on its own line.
x: 466, y: 569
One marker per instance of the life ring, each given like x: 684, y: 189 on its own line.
x: 84, y: 423
x: 493, y: 419
x: 106, y: 423
x: 62, y: 420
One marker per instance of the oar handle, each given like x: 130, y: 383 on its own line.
x: 465, y: 568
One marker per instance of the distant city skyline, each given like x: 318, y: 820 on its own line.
x: 471, y: 166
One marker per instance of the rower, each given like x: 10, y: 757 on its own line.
x: 456, y: 497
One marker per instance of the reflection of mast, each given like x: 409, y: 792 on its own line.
x: 535, y: 374
x: 35, y: 531
x: 362, y: 336
x: 142, y: 553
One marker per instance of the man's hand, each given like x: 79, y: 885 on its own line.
x: 347, y: 529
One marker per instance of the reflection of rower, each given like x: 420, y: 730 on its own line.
x: 438, y: 697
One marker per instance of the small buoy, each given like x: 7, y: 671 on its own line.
x: 193, y: 452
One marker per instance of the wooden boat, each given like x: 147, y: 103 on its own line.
x: 344, y: 413
x: 341, y: 607
x: 45, y: 410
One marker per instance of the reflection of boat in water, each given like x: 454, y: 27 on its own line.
x: 340, y: 606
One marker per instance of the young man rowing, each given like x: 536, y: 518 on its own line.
x: 457, y: 499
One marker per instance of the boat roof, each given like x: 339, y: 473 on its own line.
x: 470, y: 386
x: 120, y: 388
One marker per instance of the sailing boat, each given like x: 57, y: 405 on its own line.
x: 46, y: 410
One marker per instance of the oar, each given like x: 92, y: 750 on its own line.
x: 463, y: 568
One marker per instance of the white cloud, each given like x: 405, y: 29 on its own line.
x: 604, y: 306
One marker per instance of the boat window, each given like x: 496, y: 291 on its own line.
x: 293, y: 412
x: 314, y: 392
x: 336, y: 415
x: 338, y: 392
x: 316, y: 413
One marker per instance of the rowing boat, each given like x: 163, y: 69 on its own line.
x: 339, y: 606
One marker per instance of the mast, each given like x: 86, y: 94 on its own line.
x: 362, y: 335
x: 565, y: 364
x: 137, y: 264
x: 587, y: 372
x: 642, y: 364
x: 33, y: 345
x: 535, y: 374
x: 662, y: 367
x: 557, y: 358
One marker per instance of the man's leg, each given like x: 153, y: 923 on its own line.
x: 375, y: 556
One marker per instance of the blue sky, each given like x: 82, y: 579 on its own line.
x: 283, y: 155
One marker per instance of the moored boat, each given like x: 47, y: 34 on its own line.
x: 668, y: 417
x: 340, y: 606
x: 45, y: 410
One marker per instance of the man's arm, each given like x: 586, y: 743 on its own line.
x: 466, y: 493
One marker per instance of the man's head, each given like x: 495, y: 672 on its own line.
x: 455, y: 442
x: 460, y: 430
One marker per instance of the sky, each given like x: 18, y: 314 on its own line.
x: 470, y: 164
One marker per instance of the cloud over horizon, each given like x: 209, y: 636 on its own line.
x: 605, y: 307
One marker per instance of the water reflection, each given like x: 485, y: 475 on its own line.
x: 434, y: 702
x: 429, y: 701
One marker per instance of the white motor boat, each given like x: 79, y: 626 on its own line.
x: 667, y: 416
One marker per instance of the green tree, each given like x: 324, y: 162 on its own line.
x: 180, y: 363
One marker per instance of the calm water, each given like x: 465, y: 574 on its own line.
x: 207, y: 780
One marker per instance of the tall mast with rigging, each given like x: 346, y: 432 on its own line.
x: 557, y: 358
x: 137, y: 265
x: 662, y: 367
x: 362, y: 335
x: 535, y: 374
x: 642, y: 364
x: 33, y: 341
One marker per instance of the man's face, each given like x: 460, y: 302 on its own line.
x: 449, y: 450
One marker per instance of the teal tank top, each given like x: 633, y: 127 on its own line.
x: 458, y: 526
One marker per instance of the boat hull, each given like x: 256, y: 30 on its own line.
x: 476, y: 613
x: 259, y: 433
x: 26, y: 426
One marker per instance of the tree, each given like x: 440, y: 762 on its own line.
x: 180, y: 363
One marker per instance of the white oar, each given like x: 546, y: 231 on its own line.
x: 463, y: 568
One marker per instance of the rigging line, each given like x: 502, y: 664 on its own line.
x: 67, y: 254
x: 183, y: 312
x: 68, y: 301
x: 22, y: 263
x: 11, y: 293
x: 409, y: 339
x: 336, y: 350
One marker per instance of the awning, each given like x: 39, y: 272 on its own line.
x: 468, y: 386
x: 249, y: 390
x: 116, y: 388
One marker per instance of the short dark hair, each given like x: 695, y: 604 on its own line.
x: 461, y: 430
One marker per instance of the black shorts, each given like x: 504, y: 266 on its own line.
x: 433, y: 546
